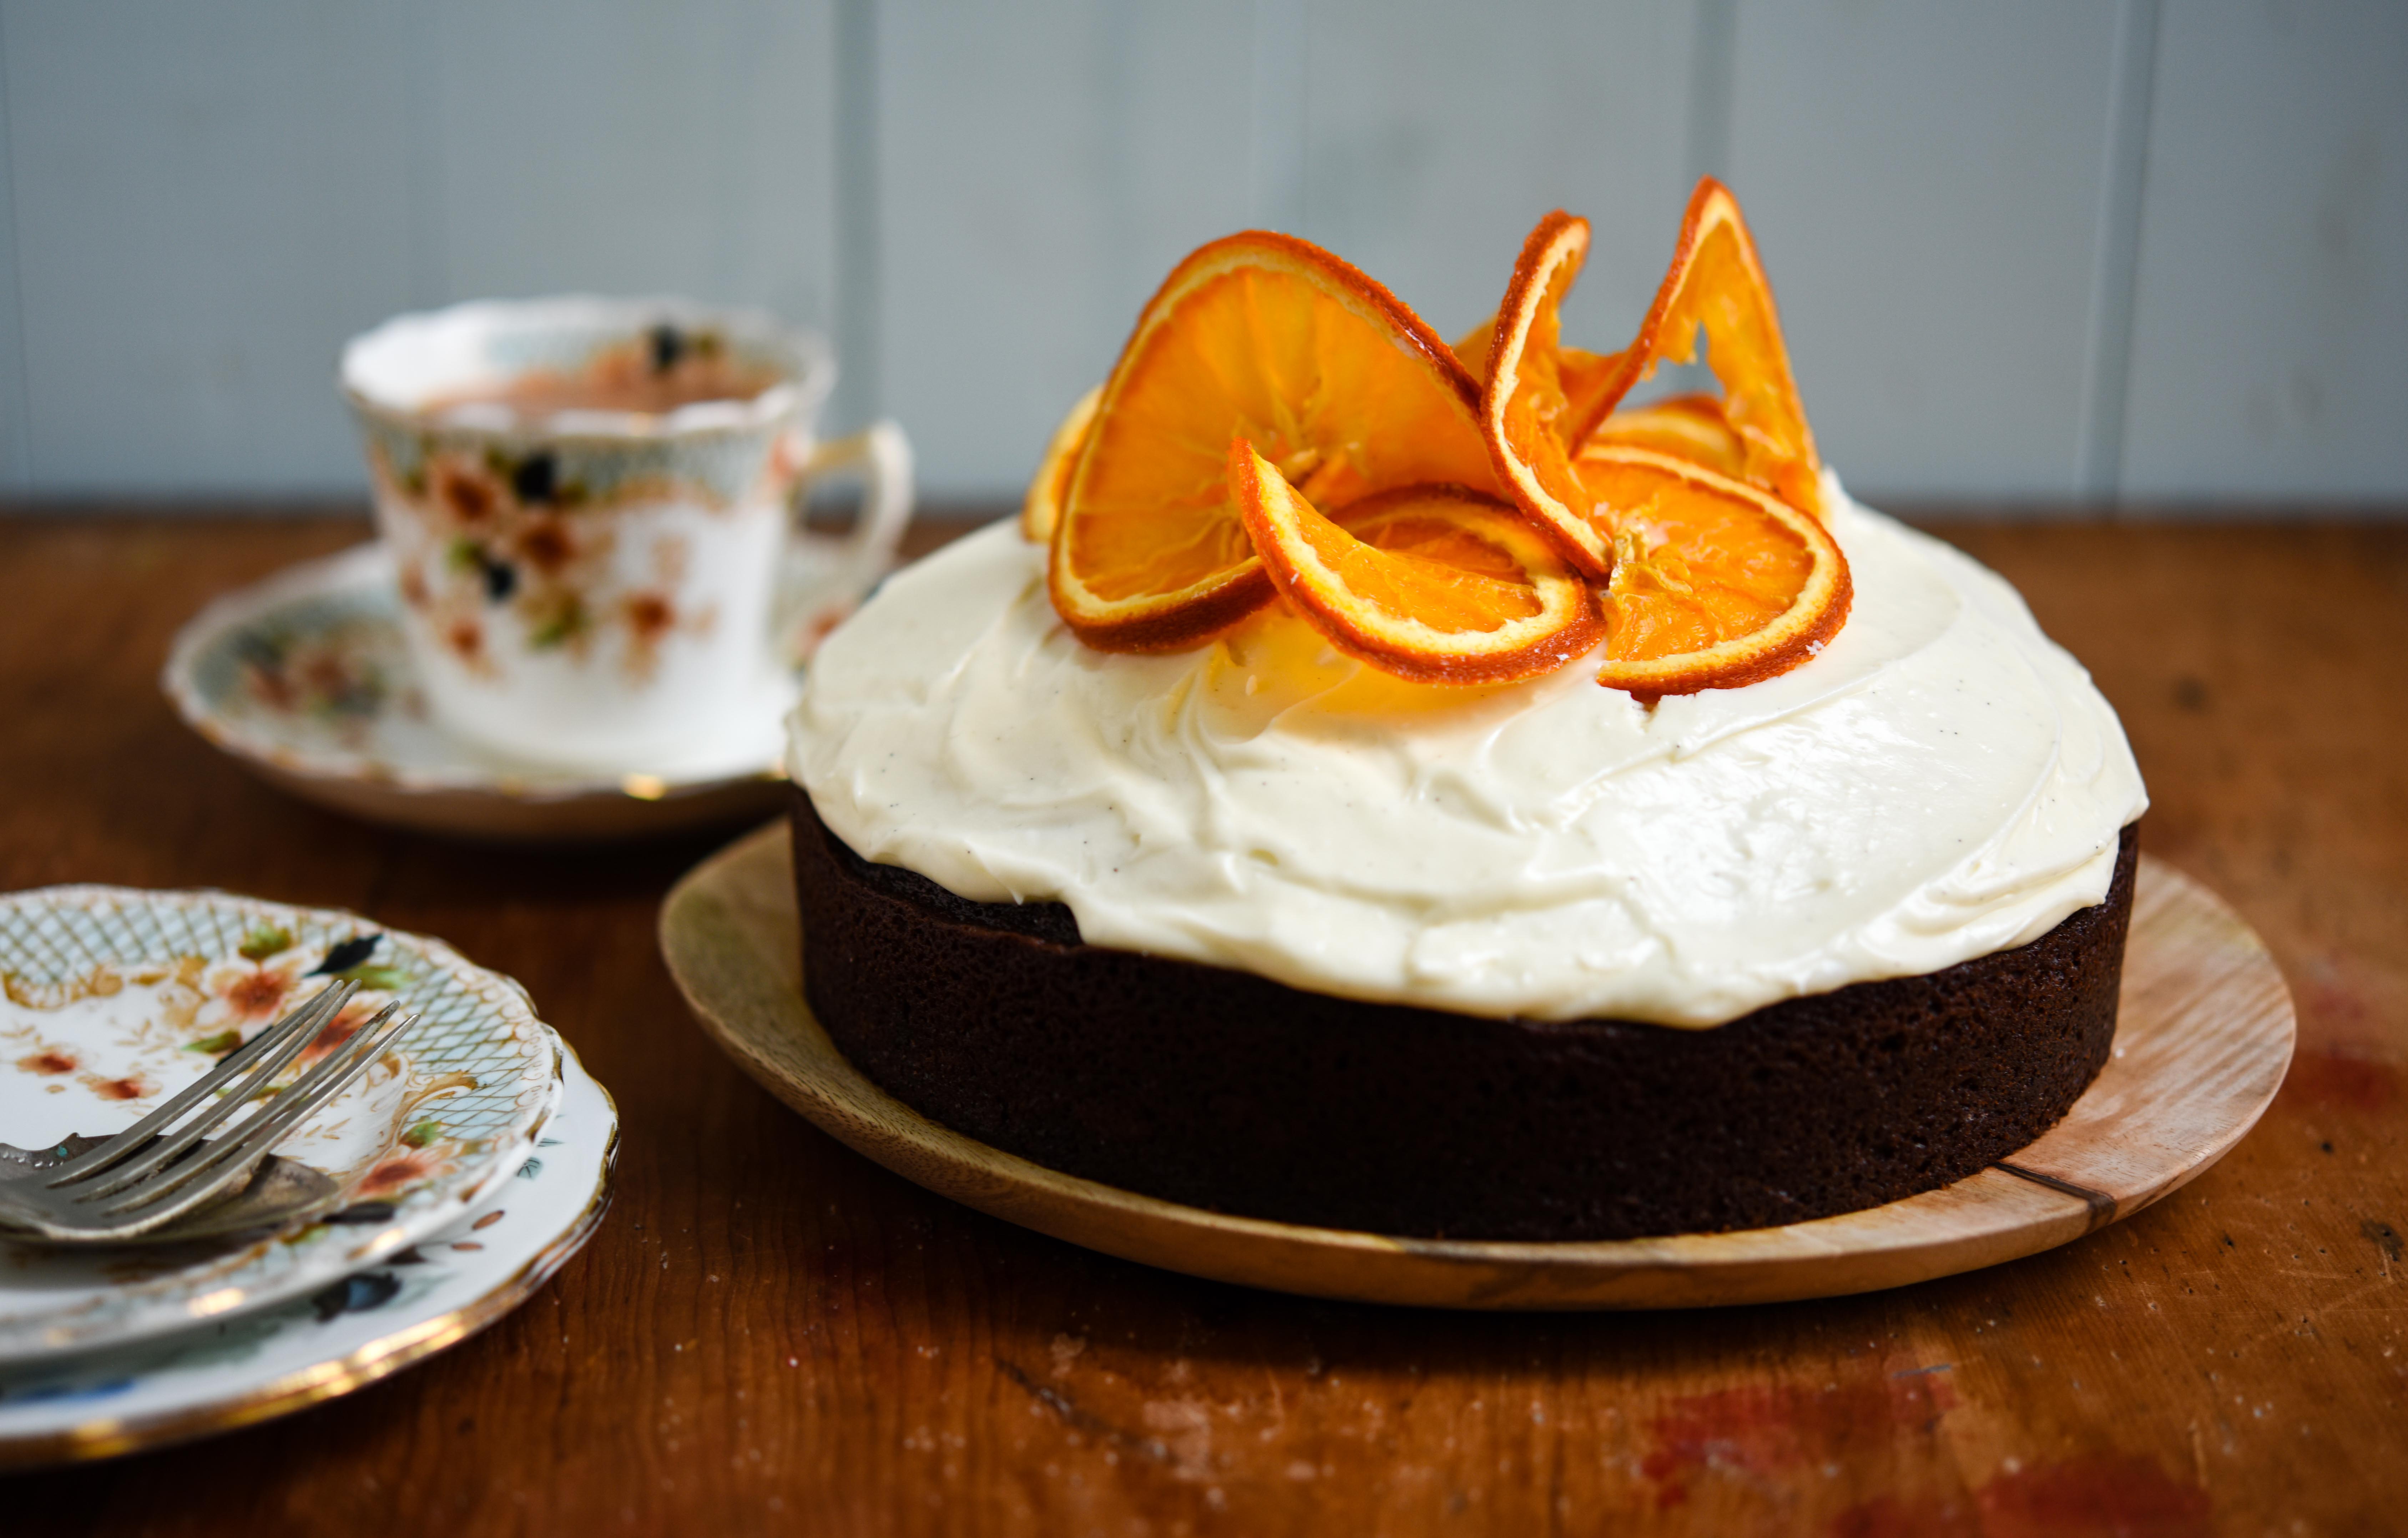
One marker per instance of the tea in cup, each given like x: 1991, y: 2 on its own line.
x: 593, y: 511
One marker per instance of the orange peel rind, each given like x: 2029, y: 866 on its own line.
x: 1716, y: 282
x: 1585, y: 374
x: 1268, y: 338
x: 1041, y: 509
x: 1716, y: 583
x: 1432, y: 583
x: 1527, y: 414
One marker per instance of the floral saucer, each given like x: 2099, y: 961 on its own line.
x: 111, y: 1000
x: 304, y: 678
x: 349, y: 1333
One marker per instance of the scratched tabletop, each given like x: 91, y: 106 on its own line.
x: 769, y: 1333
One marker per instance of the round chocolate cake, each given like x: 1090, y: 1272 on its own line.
x: 1225, y: 1090
x: 1358, y: 793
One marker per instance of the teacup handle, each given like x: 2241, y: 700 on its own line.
x: 882, y: 456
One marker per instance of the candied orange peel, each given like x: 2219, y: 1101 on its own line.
x: 1716, y: 582
x: 1716, y: 283
x: 1530, y: 415
x: 1468, y: 514
x: 1041, y: 509
x: 1433, y: 582
x: 1271, y: 339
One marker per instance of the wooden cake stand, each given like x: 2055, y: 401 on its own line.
x: 2202, y: 1043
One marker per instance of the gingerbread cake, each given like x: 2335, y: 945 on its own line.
x: 1606, y: 828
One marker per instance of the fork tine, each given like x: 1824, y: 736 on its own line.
x: 222, y: 1164
x: 304, y: 1022
x: 161, y: 1178
x: 231, y: 1160
x: 177, y: 1190
x: 167, y: 1150
x: 289, y: 1045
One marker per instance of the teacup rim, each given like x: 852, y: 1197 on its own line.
x: 811, y: 381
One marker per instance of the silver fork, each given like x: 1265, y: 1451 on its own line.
x: 152, y: 1174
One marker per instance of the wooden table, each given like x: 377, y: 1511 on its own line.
x: 770, y: 1334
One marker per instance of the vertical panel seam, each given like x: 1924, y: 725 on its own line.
x: 1282, y: 37
x: 429, y: 254
x: 859, y: 321
x: 2107, y: 368
x: 1713, y: 65
x: 17, y: 431
x: 1118, y: 174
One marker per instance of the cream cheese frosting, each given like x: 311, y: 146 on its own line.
x: 1943, y: 782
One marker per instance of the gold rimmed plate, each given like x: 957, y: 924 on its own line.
x: 112, y: 999
x: 2202, y: 1041
x: 349, y: 1333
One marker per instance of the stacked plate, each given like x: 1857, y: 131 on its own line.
x: 473, y: 1159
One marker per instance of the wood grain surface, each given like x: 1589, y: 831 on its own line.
x: 772, y: 1334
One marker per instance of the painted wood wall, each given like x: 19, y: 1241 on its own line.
x: 2148, y: 248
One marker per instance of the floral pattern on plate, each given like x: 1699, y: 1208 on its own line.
x: 347, y: 1333
x: 111, y: 1000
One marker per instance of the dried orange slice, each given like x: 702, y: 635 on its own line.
x: 1529, y: 412
x: 1585, y: 375
x: 1716, y: 281
x: 1716, y: 582
x: 1041, y: 509
x: 1690, y: 427
x: 1268, y: 338
x: 1471, y: 349
x: 1430, y: 582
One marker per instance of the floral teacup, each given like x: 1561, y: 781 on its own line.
x: 590, y: 505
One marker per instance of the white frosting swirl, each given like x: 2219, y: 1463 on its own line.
x: 1942, y: 782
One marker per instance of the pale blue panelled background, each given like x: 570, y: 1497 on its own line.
x: 2154, y: 250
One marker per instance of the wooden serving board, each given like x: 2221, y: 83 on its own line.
x: 2202, y: 1045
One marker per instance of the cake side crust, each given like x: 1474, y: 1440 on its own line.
x: 1228, y: 1092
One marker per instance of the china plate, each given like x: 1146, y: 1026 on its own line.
x: 112, y: 999
x: 304, y: 677
x: 2202, y: 1043
x: 351, y: 1332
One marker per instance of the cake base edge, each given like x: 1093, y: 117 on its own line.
x: 1230, y: 1092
